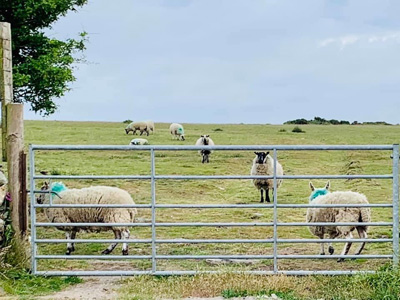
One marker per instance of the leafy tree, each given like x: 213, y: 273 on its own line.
x: 42, y: 66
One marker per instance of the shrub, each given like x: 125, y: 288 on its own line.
x: 127, y: 121
x: 297, y: 129
x: 217, y: 129
x: 282, y: 130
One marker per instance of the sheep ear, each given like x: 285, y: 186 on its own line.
x: 327, y: 186
x: 267, y: 153
x: 256, y: 153
x: 312, y: 186
x: 207, y: 135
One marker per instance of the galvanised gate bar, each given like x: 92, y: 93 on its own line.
x: 154, y: 206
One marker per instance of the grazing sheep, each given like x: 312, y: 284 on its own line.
x: 137, y: 126
x: 263, y: 164
x: 205, y: 140
x: 177, y: 131
x: 139, y: 142
x: 150, y: 126
x: 338, y: 214
x: 90, y: 195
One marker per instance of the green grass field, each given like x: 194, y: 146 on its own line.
x: 216, y: 191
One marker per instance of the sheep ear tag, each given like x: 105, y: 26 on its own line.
x: 318, y: 192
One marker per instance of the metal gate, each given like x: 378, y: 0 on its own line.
x: 154, y: 241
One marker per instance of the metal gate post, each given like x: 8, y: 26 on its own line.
x: 275, y: 199
x: 153, y: 213
x: 395, y: 205
x: 33, y: 209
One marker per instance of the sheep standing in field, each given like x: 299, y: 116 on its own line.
x: 177, y: 131
x: 150, y: 125
x: 137, y: 126
x: 205, y: 140
x: 139, y: 142
x: 338, y: 214
x: 263, y: 164
x: 91, y: 195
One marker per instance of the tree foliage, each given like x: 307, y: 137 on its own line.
x: 42, y: 66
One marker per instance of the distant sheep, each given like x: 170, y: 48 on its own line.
x: 177, y: 131
x: 205, y: 140
x: 139, y: 142
x: 263, y: 164
x: 338, y: 214
x: 90, y: 195
x: 150, y: 125
x: 137, y: 126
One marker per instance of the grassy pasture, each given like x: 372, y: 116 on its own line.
x: 218, y: 191
x: 215, y: 192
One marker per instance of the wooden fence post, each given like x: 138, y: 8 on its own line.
x: 17, y: 167
x: 6, y: 85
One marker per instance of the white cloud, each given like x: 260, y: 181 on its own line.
x: 347, y: 40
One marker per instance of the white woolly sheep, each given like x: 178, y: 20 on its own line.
x: 139, y: 142
x: 263, y: 164
x: 338, y: 214
x: 137, y: 126
x: 150, y: 126
x: 205, y: 140
x: 177, y: 131
x: 91, y: 195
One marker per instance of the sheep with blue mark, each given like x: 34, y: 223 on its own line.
x: 338, y: 215
x: 91, y: 195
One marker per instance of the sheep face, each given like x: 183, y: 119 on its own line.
x: 318, y: 192
x: 126, y: 130
x: 261, y: 157
x: 205, y: 139
x: 41, y: 198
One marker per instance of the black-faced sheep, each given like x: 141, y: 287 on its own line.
x: 338, y: 214
x: 91, y: 195
x: 263, y: 164
x: 205, y: 140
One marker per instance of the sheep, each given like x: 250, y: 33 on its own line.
x: 150, y: 125
x: 89, y: 195
x: 140, y: 126
x: 139, y: 142
x: 177, y: 131
x: 338, y: 214
x: 205, y: 140
x: 263, y: 164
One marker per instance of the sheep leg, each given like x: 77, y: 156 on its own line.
x: 70, y: 246
x: 267, y: 195
x: 262, y: 196
x: 346, y: 247
x: 330, y: 247
x: 125, y: 236
x: 363, y: 235
x: 322, y: 245
x: 117, y: 234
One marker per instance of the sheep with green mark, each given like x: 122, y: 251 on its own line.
x: 177, y: 131
x: 91, y: 195
x: 338, y: 215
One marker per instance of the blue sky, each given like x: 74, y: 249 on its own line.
x: 234, y: 61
